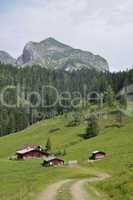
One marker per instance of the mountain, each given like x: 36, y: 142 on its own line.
x: 53, y: 54
x: 5, y: 58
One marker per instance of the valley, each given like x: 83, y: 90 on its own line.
x: 26, y: 179
x: 66, y: 100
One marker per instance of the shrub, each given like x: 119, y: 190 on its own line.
x: 92, y: 128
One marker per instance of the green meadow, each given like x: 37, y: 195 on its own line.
x: 24, y: 180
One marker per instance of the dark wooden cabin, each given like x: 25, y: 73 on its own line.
x: 52, y: 161
x: 96, y: 155
x: 30, y: 152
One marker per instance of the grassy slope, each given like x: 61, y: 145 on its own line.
x: 22, y: 180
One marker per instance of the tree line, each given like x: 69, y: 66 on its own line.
x: 30, y: 80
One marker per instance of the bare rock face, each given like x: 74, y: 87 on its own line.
x: 5, y: 58
x: 52, y: 54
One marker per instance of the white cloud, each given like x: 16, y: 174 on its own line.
x: 103, y: 27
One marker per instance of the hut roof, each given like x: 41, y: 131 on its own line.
x: 50, y: 158
x: 26, y: 150
x: 95, y: 152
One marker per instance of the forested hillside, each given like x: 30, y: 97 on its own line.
x: 31, y: 98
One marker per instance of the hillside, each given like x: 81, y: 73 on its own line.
x: 36, y: 79
x: 27, y: 178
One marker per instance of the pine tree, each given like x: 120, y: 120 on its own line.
x: 109, y: 96
x: 119, y: 118
x: 48, y: 145
x: 64, y: 152
x: 92, y: 128
x: 123, y: 99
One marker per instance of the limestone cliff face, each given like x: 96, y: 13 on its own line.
x: 50, y: 53
x: 5, y: 58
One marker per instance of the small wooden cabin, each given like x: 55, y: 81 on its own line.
x: 96, y: 155
x: 30, y: 152
x: 53, y: 161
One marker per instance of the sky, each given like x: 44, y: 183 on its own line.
x: 99, y: 26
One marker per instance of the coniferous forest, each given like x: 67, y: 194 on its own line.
x: 30, y: 92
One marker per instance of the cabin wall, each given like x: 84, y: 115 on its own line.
x: 57, y: 162
x: 99, y: 156
x: 32, y: 154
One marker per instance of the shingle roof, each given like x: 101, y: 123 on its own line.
x: 50, y: 158
x: 95, y: 152
x: 26, y: 150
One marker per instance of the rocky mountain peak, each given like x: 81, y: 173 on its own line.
x: 53, y: 42
x: 51, y: 53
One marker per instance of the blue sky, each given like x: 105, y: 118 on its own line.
x: 6, y: 4
x: 100, y: 26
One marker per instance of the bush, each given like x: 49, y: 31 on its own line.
x: 74, y: 119
x: 92, y: 128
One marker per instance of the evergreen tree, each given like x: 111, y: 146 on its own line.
x: 64, y: 152
x: 92, y: 128
x: 119, y: 118
x: 48, y: 145
x: 109, y: 96
x: 123, y: 99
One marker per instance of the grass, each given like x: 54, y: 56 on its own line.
x: 23, y: 180
x: 38, y: 134
x: 27, y: 178
x: 93, y: 194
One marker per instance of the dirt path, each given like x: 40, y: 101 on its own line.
x: 51, y: 191
x: 77, y: 190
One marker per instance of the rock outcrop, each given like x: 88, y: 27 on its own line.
x: 50, y: 53
x: 5, y: 58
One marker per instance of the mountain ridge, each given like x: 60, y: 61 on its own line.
x: 50, y: 53
x: 6, y: 58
